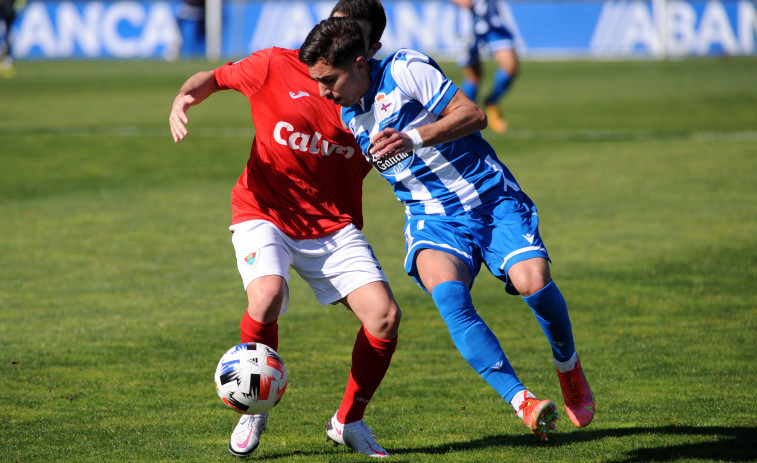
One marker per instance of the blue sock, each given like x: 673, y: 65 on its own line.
x: 474, y: 339
x: 470, y: 89
x: 502, y: 81
x: 551, y: 311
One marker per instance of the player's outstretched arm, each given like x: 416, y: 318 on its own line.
x: 459, y: 118
x: 194, y: 91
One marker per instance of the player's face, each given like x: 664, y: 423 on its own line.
x: 344, y: 85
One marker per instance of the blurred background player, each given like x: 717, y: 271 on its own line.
x: 190, y: 14
x: 488, y: 30
x: 463, y: 207
x: 298, y: 205
x: 8, y: 11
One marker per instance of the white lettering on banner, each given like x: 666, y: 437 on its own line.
x: 747, y: 26
x: 429, y: 28
x: 160, y: 29
x: 640, y: 29
x: 299, y: 141
x: 36, y: 29
x: 424, y: 28
x: 681, y: 23
x: 715, y: 29
x: 435, y: 27
x: 627, y: 28
x: 97, y: 29
x: 74, y: 28
x: 140, y: 29
x: 286, y: 24
x: 123, y: 12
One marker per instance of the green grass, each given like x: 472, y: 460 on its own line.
x: 118, y: 289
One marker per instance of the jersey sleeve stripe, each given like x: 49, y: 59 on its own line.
x: 442, y: 99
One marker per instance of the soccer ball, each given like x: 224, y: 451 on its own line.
x: 251, y: 378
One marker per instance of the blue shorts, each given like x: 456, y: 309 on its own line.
x: 497, y: 235
x: 496, y: 38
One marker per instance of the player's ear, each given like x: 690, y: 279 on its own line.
x: 374, y: 49
x: 361, y: 64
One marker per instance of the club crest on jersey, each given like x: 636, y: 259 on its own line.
x: 390, y: 165
x: 383, y: 103
x: 252, y: 258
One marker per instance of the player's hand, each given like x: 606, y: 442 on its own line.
x: 178, y: 118
x: 389, y: 142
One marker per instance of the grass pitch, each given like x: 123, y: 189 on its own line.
x: 119, y: 293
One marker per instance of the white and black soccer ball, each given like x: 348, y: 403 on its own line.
x: 251, y: 378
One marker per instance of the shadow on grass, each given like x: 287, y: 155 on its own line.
x: 724, y: 444
x: 735, y: 444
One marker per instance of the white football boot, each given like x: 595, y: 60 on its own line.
x: 356, y: 435
x: 246, y: 436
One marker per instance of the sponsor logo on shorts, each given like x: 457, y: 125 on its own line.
x: 252, y: 258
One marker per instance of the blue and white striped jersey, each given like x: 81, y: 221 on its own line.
x: 409, y: 90
x: 486, y: 17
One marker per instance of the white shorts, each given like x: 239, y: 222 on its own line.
x: 333, y: 266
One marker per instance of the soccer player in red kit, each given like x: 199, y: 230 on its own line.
x: 298, y: 205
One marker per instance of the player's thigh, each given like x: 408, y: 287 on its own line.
x: 435, y: 267
x: 374, y: 305
x: 507, y: 60
x: 512, y: 236
x: 440, y: 249
x: 267, y: 296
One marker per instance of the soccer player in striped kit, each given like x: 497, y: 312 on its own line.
x: 463, y: 206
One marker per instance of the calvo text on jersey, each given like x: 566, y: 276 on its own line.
x: 284, y: 134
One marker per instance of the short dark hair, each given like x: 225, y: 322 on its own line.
x: 335, y: 41
x: 370, y: 11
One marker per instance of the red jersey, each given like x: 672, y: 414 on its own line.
x: 305, y: 172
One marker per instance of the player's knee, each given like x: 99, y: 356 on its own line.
x: 391, y: 322
x: 514, y: 69
x: 531, y: 283
x: 265, y: 300
x: 532, y: 286
x: 385, y: 323
x: 530, y: 276
x: 395, y: 315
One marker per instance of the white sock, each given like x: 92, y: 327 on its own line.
x: 568, y: 364
x: 518, y: 400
